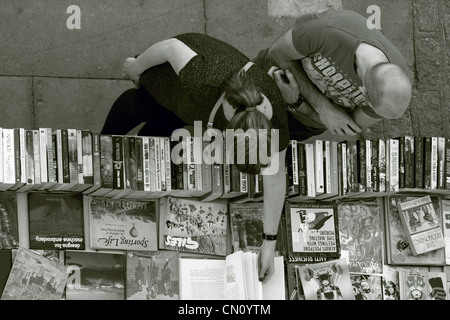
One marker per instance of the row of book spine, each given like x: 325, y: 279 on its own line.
x: 324, y: 169
x: 118, y: 166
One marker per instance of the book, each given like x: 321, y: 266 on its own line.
x: 106, y: 166
x: 382, y: 165
x: 447, y: 164
x: 152, y: 275
x: 423, y: 228
x: 419, y: 162
x: 409, y: 161
x: 312, y: 229
x: 391, y: 285
x: 367, y: 286
x: 328, y: 280
x: 361, y: 164
x: 95, y: 275
x: 191, y: 225
x: 5, y: 267
x: 234, y: 277
x: 360, y: 231
x: 394, y: 164
x: 398, y: 251
x: 446, y: 228
x: 440, y: 163
x: 56, y: 220
x: 319, y: 166
x: 418, y: 283
x: 9, y: 225
x: 35, y: 277
x: 375, y: 172
x: 310, y: 170
x: 123, y: 224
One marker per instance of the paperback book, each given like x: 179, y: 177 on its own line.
x: 418, y: 283
x: 56, y: 221
x: 312, y: 229
x: 191, y: 225
x: 123, y: 224
x: 360, y: 230
x: 9, y: 228
x: 35, y: 277
x: 367, y: 286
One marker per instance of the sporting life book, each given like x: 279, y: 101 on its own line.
x: 35, y: 277
x: 56, y: 221
x: 361, y: 236
x: 328, y: 280
x: 234, y: 277
x: 422, y: 225
x: 95, y: 275
x: 312, y: 229
x: 398, y: 251
x: 123, y: 224
x: 191, y: 225
x: 152, y: 275
x: 9, y: 227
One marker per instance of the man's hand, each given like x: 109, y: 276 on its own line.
x: 286, y: 83
x: 266, y: 261
x: 130, y: 71
x: 337, y: 121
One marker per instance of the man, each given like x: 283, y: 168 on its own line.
x: 349, y: 76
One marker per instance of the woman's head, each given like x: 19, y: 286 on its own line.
x: 250, y: 123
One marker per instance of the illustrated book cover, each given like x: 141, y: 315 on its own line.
x: 398, y: 251
x: 367, y: 286
x: 152, y: 275
x: 35, y: 277
x: 360, y: 231
x: 312, y: 229
x: 56, y: 221
x: 9, y: 228
x: 95, y: 275
x: 391, y: 285
x: 191, y: 225
x: 418, y: 283
x: 422, y: 225
x: 328, y: 280
x: 123, y: 224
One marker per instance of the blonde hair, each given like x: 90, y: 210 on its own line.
x: 243, y: 95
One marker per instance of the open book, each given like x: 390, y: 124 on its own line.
x: 232, y: 278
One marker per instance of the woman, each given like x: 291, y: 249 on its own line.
x: 181, y: 79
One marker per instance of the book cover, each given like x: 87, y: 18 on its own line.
x: 391, y: 285
x: 328, y: 280
x: 375, y: 172
x: 418, y: 283
x: 35, y: 277
x: 123, y: 224
x: 360, y: 232
x: 361, y: 162
x: 312, y: 229
x: 401, y: 162
x: 440, y: 162
x: 191, y: 225
x: 422, y: 226
x: 9, y: 225
x: 446, y: 226
x: 87, y: 156
x: 5, y: 267
x: 302, y: 169
x: 394, y: 163
x: 319, y: 166
x: 427, y: 162
x: 95, y: 275
x: 152, y: 275
x: 398, y: 251
x: 56, y: 221
x: 310, y: 170
x: 367, y: 286
x: 73, y: 155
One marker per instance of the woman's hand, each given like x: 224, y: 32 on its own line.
x: 286, y: 83
x: 266, y: 260
x: 130, y: 71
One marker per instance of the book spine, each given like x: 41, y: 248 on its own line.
x: 96, y: 160
x: 288, y: 170
x: 157, y: 164
x: 388, y: 165
x: 177, y: 164
x: 146, y: 162
x: 344, y: 160
x: 80, y: 157
x: 352, y: 169
x: 1, y: 156
x: 419, y: 162
x: 118, y: 169
x: 126, y: 162
x: 73, y: 155
x: 427, y: 162
x: 369, y: 185
x: 327, y: 169
x: 217, y: 178
x: 235, y: 179
x: 206, y: 169
x: 434, y: 163
x: 375, y: 165
x: 336, y: 164
x: 394, y: 164
x: 441, y: 163
x: 152, y: 163
x: 139, y: 164
x: 243, y: 177
x: 132, y: 151
x: 295, y: 179
x: 162, y: 157
x: 23, y: 152
x: 310, y: 174
x: 447, y: 164
x: 29, y: 156
x: 361, y: 164
x: 168, y: 161
x: 87, y: 156
x: 409, y: 161
x: 302, y: 184
x: 198, y: 160
x: 51, y: 157
x: 59, y: 155
x: 192, y: 183
x: 381, y: 165
x: 319, y: 172
x: 226, y: 170
x: 36, y: 157
x: 401, y: 162
x: 106, y: 161
x: 43, y: 154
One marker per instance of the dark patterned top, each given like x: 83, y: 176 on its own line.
x: 193, y: 94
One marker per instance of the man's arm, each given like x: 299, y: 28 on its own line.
x: 274, y: 196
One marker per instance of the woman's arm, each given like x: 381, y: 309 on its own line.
x: 274, y: 196
x: 171, y: 50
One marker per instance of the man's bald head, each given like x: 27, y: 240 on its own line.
x: 389, y: 89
